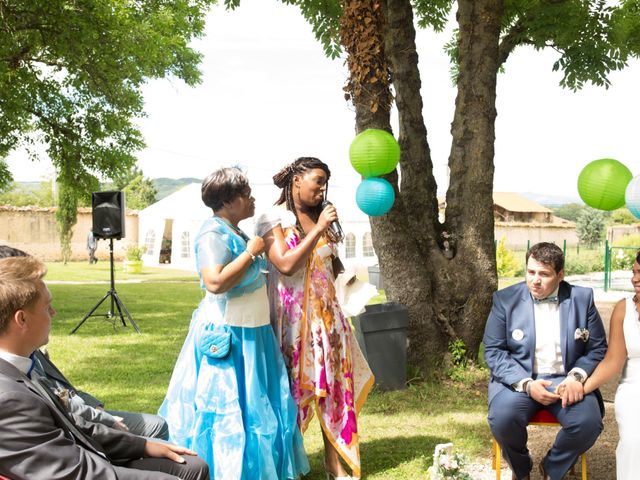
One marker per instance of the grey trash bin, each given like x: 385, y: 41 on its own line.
x: 381, y: 332
x: 375, y: 278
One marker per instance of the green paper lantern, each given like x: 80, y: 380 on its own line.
x: 374, y: 153
x: 602, y: 184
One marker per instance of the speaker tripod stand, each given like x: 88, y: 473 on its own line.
x: 116, y: 303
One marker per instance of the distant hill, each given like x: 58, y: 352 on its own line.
x: 29, y: 186
x: 166, y: 186
x: 551, y: 201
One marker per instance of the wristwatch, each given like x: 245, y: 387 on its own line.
x: 526, y: 387
x: 577, y: 376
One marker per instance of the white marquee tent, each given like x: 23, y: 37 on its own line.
x: 168, y: 227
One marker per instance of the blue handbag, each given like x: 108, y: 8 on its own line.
x: 215, y: 341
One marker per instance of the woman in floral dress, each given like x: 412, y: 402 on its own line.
x: 327, y: 370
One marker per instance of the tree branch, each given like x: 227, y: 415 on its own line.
x: 510, y: 41
x: 55, y: 126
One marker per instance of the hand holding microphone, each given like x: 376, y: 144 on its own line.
x: 334, y: 224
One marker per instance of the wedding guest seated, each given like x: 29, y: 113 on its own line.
x: 40, y: 439
x: 84, y: 404
x: 543, y: 338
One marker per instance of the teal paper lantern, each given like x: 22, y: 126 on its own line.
x: 632, y: 196
x: 375, y: 196
x: 602, y: 184
x: 374, y: 153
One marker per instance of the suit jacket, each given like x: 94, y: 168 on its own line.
x: 46, y: 368
x: 41, y: 441
x: 510, y: 355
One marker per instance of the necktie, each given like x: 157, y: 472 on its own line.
x: 551, y: 299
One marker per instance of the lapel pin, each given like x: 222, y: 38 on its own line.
x: 517, y: 334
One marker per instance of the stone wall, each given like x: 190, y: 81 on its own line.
x: 35, y: 231
x: 516, y: 234
x: 616, y: 233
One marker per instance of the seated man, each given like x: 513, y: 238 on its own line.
x: 40, y: 439
x: 542, y: 339
x: 84, y: 404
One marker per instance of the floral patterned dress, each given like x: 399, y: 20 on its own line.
x: 327, y: 371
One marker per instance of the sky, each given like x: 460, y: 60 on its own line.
x: 270, y: 95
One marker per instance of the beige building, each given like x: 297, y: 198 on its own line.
x: 513, y: 207
x: 521, y: 221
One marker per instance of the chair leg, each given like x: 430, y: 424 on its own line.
x: 584, y: 466
x: 496, y: 460
x: 493, y: 453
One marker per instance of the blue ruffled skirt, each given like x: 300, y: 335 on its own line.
x: 237, y: 413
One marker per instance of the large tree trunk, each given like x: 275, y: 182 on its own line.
x: 443, y: 272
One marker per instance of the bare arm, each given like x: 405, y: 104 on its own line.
x: 616, y: 354
x: 222, y: 278
x: 289, y: 261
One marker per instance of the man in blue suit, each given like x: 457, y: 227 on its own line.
x: 542, y: 340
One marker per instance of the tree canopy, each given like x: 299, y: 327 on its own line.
x: 449, y: 295
x: 71, y: 73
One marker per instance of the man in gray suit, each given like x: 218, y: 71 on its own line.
x: 84, y: 404
x: 40, y: 439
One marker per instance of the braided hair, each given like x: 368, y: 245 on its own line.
x: 284, y: 181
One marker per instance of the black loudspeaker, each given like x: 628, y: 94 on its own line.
x: 108, y: 214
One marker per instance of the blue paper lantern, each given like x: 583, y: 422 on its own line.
x: 632, y: 196
x: 374, y: 153
x: 375, y: 196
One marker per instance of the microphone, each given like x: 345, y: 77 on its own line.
x: 335, y: 225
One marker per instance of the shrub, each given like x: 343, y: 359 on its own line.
x: 592, y: 261
x: 506, y: 264
x: 590, y: 226
x: 134, y: 252
x: 622, y: 259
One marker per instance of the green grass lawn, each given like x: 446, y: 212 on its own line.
x: 99, y: 272
x: 398, y: 430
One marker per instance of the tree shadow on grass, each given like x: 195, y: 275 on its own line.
x: 385, y: 454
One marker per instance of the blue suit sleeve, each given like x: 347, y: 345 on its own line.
x: 597, y: 343
x: 503, y: 367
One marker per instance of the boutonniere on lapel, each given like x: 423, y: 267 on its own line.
x: 581, y: 334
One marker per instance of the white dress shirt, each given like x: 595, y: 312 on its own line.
x: 548, y: 356
x: 547, y: 359
x: 21, y: 363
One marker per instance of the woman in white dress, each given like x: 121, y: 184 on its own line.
x: 624, y: 351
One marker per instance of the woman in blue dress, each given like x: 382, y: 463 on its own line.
x: 229, y: 397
